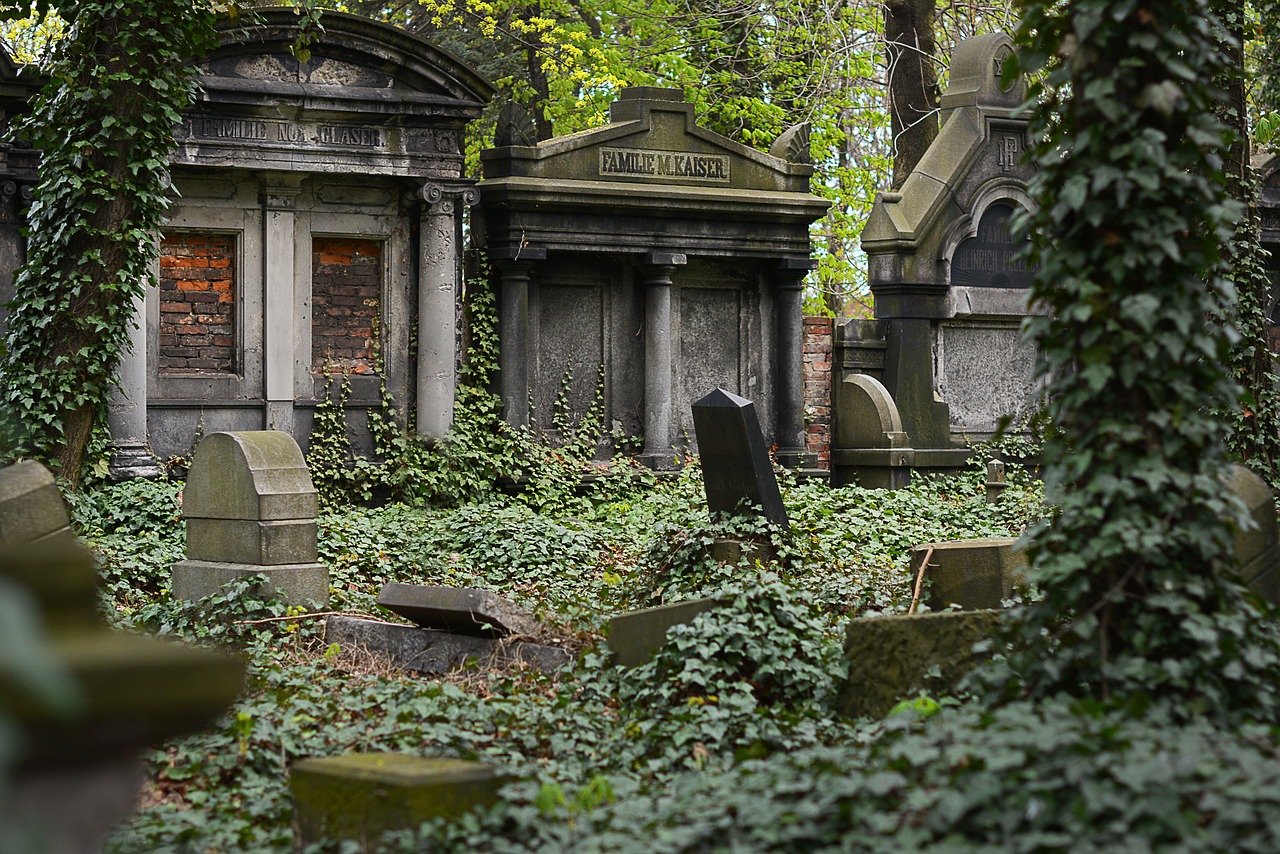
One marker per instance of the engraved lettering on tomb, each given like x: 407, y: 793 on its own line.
x: 657, y: 164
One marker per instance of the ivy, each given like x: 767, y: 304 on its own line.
x: 1129, y: 233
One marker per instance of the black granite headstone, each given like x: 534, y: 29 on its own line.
x: 735, y: 462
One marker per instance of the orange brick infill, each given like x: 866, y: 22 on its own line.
x: 818, y: 333
x: 346, y: 292
x: 197, y: 304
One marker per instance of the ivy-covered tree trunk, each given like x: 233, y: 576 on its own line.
x: 913, y: 82
x: 104, y: 125
x: 1139, y: 598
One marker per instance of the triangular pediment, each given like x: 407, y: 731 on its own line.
x: 653, y: 138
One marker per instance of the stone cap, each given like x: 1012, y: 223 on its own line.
x: 977, y: 69
x: 257, y: 475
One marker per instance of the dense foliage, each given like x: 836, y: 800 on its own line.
x: 1129, y: 236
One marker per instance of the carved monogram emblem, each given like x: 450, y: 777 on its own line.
x: 1010, y: 148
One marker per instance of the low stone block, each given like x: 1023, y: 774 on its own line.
x: 257, y: 474
x: 241, y: 541
x: 435, y: 653
x: 300, y: 584
x: 636, y: 636
x: 1257, y: 549
x: 891, y: 658
x: 462, y: 610
x: 30, y: 505
x: 973, y: 574
x: 361, y: 795
x: 733, y: 551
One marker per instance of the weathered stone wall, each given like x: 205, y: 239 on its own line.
x: 346, y: 285
x: 197, y: 303
x: 818, y: 333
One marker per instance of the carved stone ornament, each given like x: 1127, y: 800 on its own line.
x: 434, y: 192
x: 515, y: 126
x: 793, y: 145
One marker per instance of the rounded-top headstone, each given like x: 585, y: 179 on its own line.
x: 868, y: 417
x: 977, y: 74
x: 256, y: 475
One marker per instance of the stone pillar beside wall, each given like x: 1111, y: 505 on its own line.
x: 789, y: 399
x: 279, y: 202
x: 513, y: 333
x: 658, y: 268
x: 127, y: 419
x: 818, y: 333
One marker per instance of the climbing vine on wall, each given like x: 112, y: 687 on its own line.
x: 1129, y: 235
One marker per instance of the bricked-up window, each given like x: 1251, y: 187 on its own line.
x: 197, y: 304
x: 346, y: 285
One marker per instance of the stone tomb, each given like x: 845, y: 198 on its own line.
x: 250, y: 507
x: 950, y: 293
x: 735, y: 462
x: 651, y: 259
x: 315, y: 231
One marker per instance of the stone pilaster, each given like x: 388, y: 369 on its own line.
x: 789, y: 334
x: 127, y: 419
x: 279, y: 203
x: 657, y: 269
x: 513, y: 333
x: 439, y: 274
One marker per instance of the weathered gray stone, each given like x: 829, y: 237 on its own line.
x: 299, y: 584
x: 361, y: 795
x: 735, y: 463
x: 734, y: 551
x: 974, y: 574
x: 256, y: 475
x: 435, y: 653
x: 243, y: 541
x: 635, y: 636
x: 996, y: 482
x: 870, y: 447
x: 891, y: 658
x: 463, y: 610
x: 1257, y: 549
x: 30, y: 505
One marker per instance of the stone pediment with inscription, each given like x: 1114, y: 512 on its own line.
x: 653, y: 138
x: 948, y: 224
x: 370, y: 98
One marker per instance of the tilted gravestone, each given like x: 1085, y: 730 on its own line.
x: 250, y: 508
x: 462, y: 610
x: 735, y: 463
x: 132, y: 690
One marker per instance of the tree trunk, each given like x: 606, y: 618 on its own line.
x: 913, y: 81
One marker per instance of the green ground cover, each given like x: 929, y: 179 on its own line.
x: 751, y: 684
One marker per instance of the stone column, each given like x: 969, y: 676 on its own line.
x: 279, y: 202
x: 513, y: 332
x: 657, y: 269
x: 789, y: 392
x: 439, y: 272
x: 127, y: 419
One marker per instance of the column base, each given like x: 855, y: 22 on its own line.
x: 663, y: 460
x: 133, y: 460
x: 797, y: 459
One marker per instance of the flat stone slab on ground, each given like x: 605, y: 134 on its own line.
x: 461, y: 610
x: 360, y: 795
x: 436, y: 653
x: 637, y: 635
x: 890, y: 658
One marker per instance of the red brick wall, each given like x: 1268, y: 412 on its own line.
x: 197, y: 304
x: 346, y: 286
x: 817, y: 387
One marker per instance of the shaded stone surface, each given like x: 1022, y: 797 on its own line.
x: 891, y: 658
x: 637, y: 635
x: 871, y: 448
x: 30, y: 505
x: 462, y: 610
x: 974, y: 574
x: 299, y: 584
x: 278, y: 543
x: 435, y: 653
x: 735, y: 461
x: 1257, y: 550
x: 360, y: 795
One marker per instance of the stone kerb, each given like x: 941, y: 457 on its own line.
x: 250, y: 508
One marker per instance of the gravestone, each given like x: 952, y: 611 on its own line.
x: 359, y: 796
x: 461, y: 610
x: 434, y: 653
x: 250, y: 508
x: 78, y: 773
x: 975, y: 574
x: 870, y: 447
x: 636, y: 635
x: 950, y: 287
x: 735, y: 462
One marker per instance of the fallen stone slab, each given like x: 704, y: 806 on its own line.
x: 461, y: 610
x: 361, y: 795
x: 637, y: 635
x: 891, y: 658
x: 435, y: 653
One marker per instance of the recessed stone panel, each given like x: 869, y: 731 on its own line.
x: 984, y: 374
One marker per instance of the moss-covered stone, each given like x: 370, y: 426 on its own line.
x: 637, y: 635
x: 890, y: 658
x: 974, y: 574
x: 360, y: 795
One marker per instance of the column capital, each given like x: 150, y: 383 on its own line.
x: 515, y: 257
x: 789, y: 273
x: 279, y: 190
x: 442, y: 191
x: 664, y: 259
